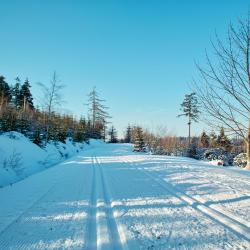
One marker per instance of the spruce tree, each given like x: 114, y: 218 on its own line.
x: 204, y: 140
x: 61, y: 134
x: 26, y: 98
x: 88, y: 130
x: 139, y: 145
x: 128, y: 136
x: 190, y: 108
x: 8, y: 120
x: 213, y: 139
x: 81, y: 133
x: 58, y: 131
x: 113, y: 135
x: 16, y: 95
x: 23, y: 124
x: 223, y: 141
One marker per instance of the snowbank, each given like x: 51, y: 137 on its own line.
x: 19, y: 157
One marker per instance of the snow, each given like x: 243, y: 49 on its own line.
x: 20, y: 158
x: 217, y: 162
x: 108, y: 197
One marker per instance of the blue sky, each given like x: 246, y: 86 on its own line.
x: 139, y: 54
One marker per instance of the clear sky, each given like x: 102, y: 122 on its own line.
x: 139, y: 54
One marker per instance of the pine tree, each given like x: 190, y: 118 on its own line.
x: 190, y: 108
x: 128, y: 136
x: 113, y: 135
x: 139, y: 145
x: 5, y: 93
x: 223, y: 141
x: 26, y: 98
x: 204, y: 140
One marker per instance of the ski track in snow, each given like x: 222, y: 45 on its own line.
x: 232, y: 222
x: 111, y: 198
x: 217, y: 207
x: 228, y: 184
x: 103, y: 229
x: 91, y: 224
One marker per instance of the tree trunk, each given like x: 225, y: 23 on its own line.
x: 1, y: 103
x: 24, y: 104
x: 248, y: 147
x: 189, y: 134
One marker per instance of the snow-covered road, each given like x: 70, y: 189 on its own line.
x: 111, y: 198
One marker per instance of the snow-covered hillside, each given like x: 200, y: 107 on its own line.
x: 20, y: 158
x: 110, y: 198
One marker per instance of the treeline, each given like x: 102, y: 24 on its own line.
x: 41, y: 125
x: 180, y: 146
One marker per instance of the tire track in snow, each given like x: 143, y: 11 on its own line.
x: 233, y: 224
x: 116, y: 236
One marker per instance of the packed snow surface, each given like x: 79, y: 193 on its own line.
x: 110, y: 198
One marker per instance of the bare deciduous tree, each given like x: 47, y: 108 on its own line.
x: 224, y: 87
x: 52, y: 98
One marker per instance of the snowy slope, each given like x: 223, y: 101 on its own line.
x: 19, y: 157
x: 110, y: 198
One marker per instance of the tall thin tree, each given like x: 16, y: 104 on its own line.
x: 190, y: 108
x: 98, y: 114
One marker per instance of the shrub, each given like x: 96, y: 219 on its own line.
x: 215, y: 154
x: 240, y: 160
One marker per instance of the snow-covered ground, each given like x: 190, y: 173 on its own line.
x: 110, y: 198
x: 20, y: 158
